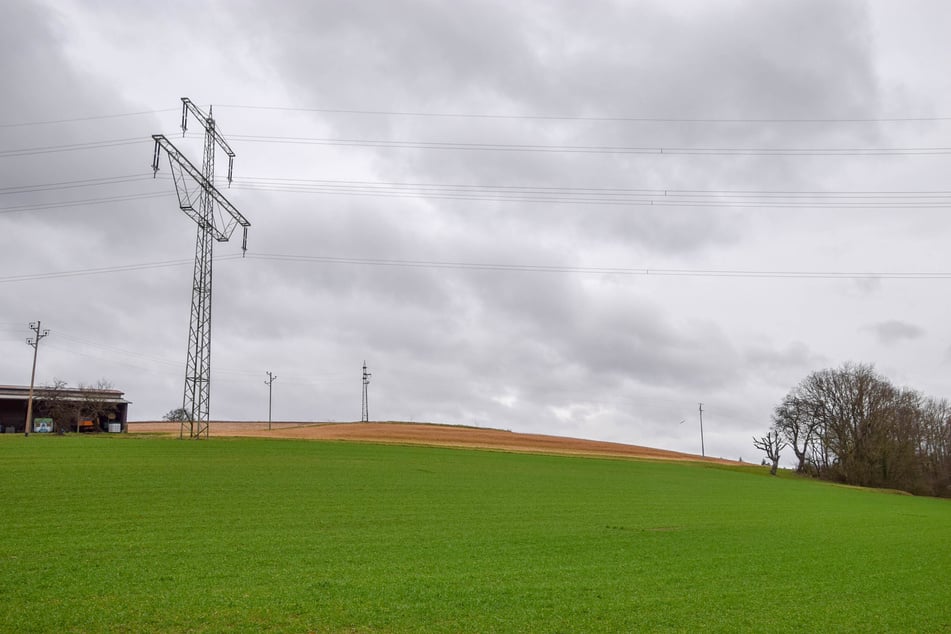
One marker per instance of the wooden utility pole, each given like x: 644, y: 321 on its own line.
x: 35, y: 342
x: 702, y: 450
x: 270, y: 381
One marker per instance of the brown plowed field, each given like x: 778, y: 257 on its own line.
x: 428, y: 434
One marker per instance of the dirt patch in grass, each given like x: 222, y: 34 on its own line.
x: 430, y: 435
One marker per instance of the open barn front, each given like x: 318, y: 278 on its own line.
x: 63, y: 409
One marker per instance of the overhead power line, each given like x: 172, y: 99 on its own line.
x: 607, y: 196
x: 597, y: 149
x: 633, y: 271
x: 112, y: 350
x: 620, y: 119
x: 515, y: 116
x: 86, y: 182
x: 70, y: 147
x: 515, y: 147
x: 85, y: 347
x: 496, y: 266
x: 290, y: 183
x: 24, y: 277
x: 78, y: 203
x: 304, y: 185
x: 21, y: 124
x: 598, y: 196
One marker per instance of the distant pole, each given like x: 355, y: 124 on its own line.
x: 35, y: 342
x: 702, y: 450
x: 365, y: 410
x: 270, y: 381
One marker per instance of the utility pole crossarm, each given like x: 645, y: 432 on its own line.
x: 185, y: 203
x: 189, y: 106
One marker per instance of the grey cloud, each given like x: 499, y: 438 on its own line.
x: 894, y: 331
x: 785, y: 366
x: 573, y: 353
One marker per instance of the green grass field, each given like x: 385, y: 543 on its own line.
x: 147, y: 534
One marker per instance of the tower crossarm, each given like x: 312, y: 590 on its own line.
x: 188, y: 106
x: 180, y: 166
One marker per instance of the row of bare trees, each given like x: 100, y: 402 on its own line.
x: 68, y: 406
x: 852, y: 425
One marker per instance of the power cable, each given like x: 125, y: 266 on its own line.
x: 115, y: 349
x: 625, y: 197
x: 606, y: 196
x: 626, y: 119
x: 494, y: 266
x: 87, y: 182
x: 655, y: 191
x: 77, y: 203
x: 640, y: 271
x: 101, y: 270
x: 228, y: 374
x: 520, y: 193
x: 491, y: 116
x: 508, y: 147
x: 81, y: 119
x: 71, y: 147
x: 596, y: 149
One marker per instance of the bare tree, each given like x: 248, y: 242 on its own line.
x: 69, y: 407
x: 934, y: 445
x: 772, y: 443
x: 845, y: 412
x: 852, y: 425
x: 796, y: 421
x: 177, y: 415
x: 94, y: 405
x: 55, y: 401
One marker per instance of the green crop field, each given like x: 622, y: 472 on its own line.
x: 147, y: 534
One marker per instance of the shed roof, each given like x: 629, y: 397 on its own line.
x: 20, y: 392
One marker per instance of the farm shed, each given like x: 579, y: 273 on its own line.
x: 72, y: 404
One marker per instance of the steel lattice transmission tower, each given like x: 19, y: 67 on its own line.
x: 216, y: 219
x: 365, y: 410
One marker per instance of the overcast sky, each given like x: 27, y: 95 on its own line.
x: 573, y: 218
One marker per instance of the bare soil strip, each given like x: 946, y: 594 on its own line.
x: 430, y: 435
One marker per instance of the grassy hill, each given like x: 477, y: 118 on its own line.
x: 143, y: 533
